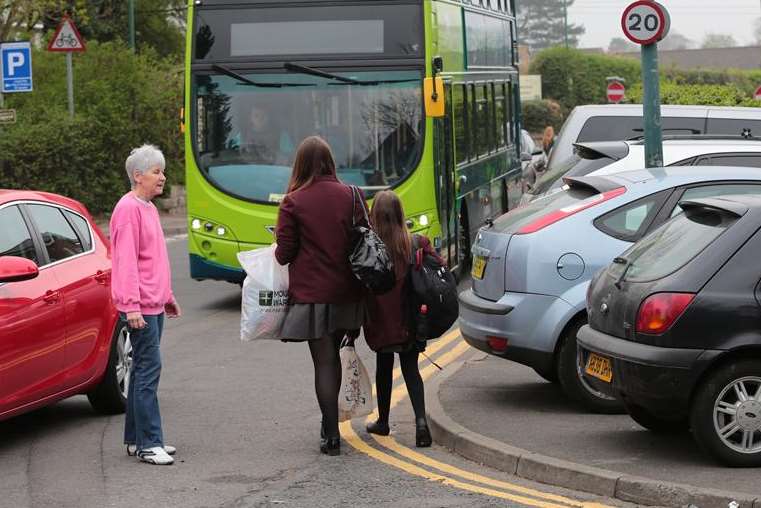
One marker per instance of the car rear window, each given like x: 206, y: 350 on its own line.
x: 614, y: 128
x: 515, y: 219
x: 671, y: 246
x: 734, y: 126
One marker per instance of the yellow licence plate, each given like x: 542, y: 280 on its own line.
x: 599, y: 367
x: 479, y: 266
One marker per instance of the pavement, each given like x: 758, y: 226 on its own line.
x: 501, y: 414
x: 173, y: 224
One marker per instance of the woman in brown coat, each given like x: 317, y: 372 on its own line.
x: 386, y: 329
x: 314, y: 234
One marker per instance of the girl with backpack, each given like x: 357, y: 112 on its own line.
x: 388, y: 323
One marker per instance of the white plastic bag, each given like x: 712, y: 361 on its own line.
x: 356, y: 397
x: 264, y: 301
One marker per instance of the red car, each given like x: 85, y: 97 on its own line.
x: 60, y: 335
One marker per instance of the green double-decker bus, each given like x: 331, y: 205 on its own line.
x: 419, y: 96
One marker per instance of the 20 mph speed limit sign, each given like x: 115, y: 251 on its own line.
x: 646, y: 22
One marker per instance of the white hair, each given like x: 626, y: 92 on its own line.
x: 142, y: 159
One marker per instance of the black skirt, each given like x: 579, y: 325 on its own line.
x: 310, y: 321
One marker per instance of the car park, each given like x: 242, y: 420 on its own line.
x: 674, y: 327
x: 615, y: 122
x: 606, y: 157
x: 532, y: 267
x: 59, y: 332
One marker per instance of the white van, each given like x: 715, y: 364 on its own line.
x: 616, y: 122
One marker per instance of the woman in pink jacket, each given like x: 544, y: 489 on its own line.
x: 142, y: 293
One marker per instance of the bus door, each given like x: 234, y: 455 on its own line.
x: 445, y: 185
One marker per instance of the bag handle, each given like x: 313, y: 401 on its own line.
x: 354, y: 194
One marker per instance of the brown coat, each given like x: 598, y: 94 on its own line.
x: 386, y: 313
x: 314, y: 235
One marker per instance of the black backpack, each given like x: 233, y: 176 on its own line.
x: 432, y: 288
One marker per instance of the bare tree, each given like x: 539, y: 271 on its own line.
x: 719, y: 41
x: 675, y: 40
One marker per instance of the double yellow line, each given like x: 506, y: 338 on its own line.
x: 411, y: 461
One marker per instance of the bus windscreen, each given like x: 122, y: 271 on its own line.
x: 246, y: 135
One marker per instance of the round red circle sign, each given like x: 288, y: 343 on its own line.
x: 645, y: 22
x: 616, y: 92
x: 757, y: 95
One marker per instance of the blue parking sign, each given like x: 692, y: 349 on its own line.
x: 16, y: 67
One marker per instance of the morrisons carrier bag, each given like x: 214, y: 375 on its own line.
x: 264, y: 301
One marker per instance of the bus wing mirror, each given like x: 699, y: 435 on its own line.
x: 433, y: 91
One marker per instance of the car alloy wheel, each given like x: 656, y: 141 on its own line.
x: 124, y: 360
x: 725, y: 414
x: 737, y: 415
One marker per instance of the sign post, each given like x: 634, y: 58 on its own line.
x: 67, y: 40
x: 645, y: 22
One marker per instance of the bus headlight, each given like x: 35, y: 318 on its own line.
x: 423, y: 220
x: 196, y: 224
x: 221, y: 231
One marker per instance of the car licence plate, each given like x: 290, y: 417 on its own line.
x: 599, y: 367
x: 479, y: 266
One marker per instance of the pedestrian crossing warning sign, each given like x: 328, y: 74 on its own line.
x: 66, y: 37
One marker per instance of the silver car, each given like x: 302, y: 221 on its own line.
x: 531, y: 269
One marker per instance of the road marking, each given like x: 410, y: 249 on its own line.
x: 347, y: 432
x: 430, y: 351
x: 538, y: 499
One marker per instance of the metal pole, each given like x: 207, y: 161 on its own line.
x: 652, y: 107
x: 70, y: 82
x: 131, y: 22
x: 1, y: 100
x: 565, y: 22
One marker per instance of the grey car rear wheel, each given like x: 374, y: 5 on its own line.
x: 572, y: 381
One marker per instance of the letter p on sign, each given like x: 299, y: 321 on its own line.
x: 15, y: 60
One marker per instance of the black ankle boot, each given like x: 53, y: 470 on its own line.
x: 379, y: 428
x: 422, y: 434
x: 331, y: 446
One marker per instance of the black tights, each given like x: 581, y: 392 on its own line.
x: 327, y: 379
x: 384, y: 380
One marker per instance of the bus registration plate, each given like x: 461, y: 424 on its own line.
x: 599, y: 367
x: 479, y: 267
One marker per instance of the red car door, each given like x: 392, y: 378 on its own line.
x: 31, y: 323
x: 83, y: 270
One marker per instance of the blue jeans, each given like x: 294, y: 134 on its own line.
x: 142, y: 425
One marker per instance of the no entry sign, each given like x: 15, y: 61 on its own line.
x: 757, y: 95
x: 645, y: 22
x: 616, y: 92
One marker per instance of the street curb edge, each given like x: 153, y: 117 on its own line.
x: 562, y: 473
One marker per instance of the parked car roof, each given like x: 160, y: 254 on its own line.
x: 8, y: 195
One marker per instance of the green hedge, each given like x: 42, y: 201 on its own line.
x: 121, y: 101
x: 673, y: 92
x: 573, y: 77
x: 536, y: 115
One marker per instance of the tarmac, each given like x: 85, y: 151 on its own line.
x: 502, y: 415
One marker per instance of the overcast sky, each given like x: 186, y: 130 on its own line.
x: 692, y: 18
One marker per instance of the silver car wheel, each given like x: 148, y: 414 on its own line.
x: 124, y: 361
x: 737, y: 415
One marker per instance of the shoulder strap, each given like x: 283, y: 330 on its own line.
x: 355, y: 194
